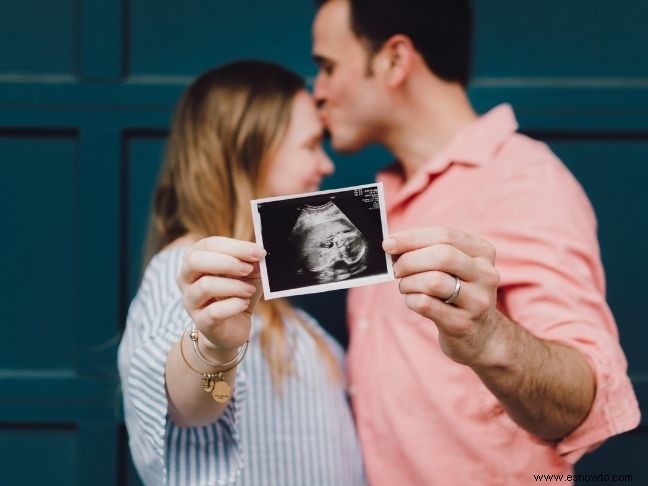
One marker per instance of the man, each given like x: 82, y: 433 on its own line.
x: 509, y: 366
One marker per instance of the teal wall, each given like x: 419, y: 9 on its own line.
x: 86, y: 93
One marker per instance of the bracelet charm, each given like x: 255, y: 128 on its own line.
x: 213, y: 382
x: 207, y: 382
x: 221, y: 391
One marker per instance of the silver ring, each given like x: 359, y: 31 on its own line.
x: 455, y: 292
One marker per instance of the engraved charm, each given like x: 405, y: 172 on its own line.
x: 221, y: 392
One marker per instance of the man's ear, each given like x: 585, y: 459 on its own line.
x: 395, y: 60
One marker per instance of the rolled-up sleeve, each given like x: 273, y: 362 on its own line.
x: 615, y: 408
x: 552, y: 283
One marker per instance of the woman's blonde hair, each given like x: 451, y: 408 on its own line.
x: 227, y: 125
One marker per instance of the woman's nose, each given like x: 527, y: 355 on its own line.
x: 326, y: 165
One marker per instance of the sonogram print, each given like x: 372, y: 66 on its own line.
x: 322, y: 241
x: 330, y: 248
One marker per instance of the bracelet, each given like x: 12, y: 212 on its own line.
x: 193, y: 335
x: 213, y: 382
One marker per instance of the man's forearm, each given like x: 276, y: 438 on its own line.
x: 547, y: 388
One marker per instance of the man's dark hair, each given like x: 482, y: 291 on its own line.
x: 441, y: 30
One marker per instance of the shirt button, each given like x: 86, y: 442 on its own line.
x: 363, y: 324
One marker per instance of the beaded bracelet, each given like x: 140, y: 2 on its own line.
x: 212, y: 382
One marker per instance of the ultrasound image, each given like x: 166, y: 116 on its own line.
x: 324, y: 238
x: 330, y: 247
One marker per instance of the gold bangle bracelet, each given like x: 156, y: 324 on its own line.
x: 193, y: 335
x: 212, y: 382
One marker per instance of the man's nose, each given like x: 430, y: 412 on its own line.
x: 319, y: 92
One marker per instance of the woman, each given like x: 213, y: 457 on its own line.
x: 202, y: 404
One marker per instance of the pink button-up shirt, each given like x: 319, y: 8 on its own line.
x: 424, y: 419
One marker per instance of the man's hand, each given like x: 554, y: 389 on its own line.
x: 428, y: 260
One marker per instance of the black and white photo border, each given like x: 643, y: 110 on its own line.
x: 351, y: 282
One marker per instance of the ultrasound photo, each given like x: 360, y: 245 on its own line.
x: 322, y: 241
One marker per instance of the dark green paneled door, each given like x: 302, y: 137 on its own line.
x: 87, y: 88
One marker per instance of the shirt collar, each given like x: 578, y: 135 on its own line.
x: 477, y: 143
x: 474, y: 145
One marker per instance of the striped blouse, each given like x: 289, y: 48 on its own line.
x: 301, y: 436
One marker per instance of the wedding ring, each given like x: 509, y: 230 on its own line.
x: 455, y: 292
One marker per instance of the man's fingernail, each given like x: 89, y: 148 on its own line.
x: 246, y: 268
x: 389, y: 244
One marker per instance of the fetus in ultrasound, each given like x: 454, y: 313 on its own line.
x: 330, y: 247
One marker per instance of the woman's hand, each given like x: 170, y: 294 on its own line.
x: 221, y: 285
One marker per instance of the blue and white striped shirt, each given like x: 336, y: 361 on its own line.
x: 301, y: 436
